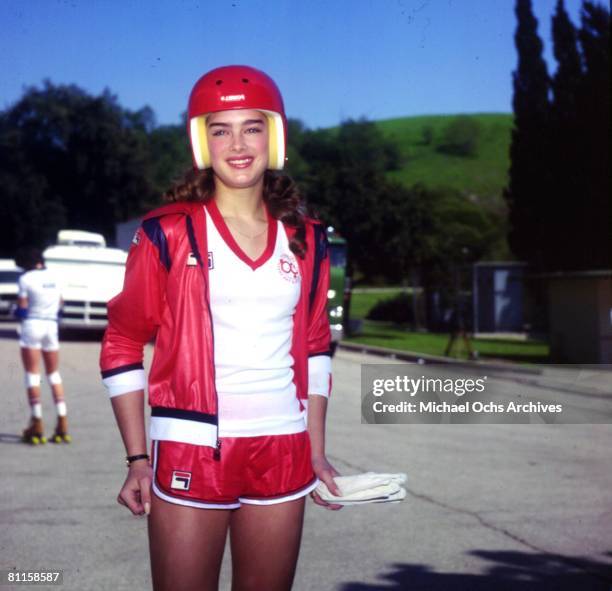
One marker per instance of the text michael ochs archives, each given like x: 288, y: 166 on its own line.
x: 413, y: 393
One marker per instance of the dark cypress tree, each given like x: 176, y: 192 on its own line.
x: 566, y: 145
x: 595, y: 246
x: 527, y: 194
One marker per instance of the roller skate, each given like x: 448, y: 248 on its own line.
x: 34, y: 434
x: 61, y: 431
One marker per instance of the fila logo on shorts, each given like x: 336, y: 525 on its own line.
x: 181, y: 480
x: 288, y: 268
x: 136, y: 238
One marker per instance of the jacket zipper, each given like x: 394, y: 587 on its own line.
x: 217, y: 450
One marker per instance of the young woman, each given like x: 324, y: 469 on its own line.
x: 38, y: 305
x: 231, y: 280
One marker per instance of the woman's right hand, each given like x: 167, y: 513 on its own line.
x: 325, y: 472
x: 136, y: 491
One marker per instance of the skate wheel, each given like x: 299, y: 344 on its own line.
x: 34, y: 440
x: 56, y: 439
x: 67, y: 438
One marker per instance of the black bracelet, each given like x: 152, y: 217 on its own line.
x: 130, y: 459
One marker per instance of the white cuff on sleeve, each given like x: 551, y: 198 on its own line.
x: 122, y: 383
x: 319, y: 375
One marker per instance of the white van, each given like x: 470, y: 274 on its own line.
x: 89, y: 273
x: 9, y: 277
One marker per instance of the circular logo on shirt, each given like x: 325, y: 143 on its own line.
x: 288, y: 268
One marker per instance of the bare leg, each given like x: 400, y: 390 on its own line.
x: 51, y: 359
x: 265, y: 542
x: 186, y: 546
x: 31, y: 363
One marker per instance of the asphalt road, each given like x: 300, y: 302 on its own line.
x: 517, y: 506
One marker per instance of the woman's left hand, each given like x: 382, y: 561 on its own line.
x: 325, y: 473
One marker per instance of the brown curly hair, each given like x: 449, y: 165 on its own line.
x: 280, y: 194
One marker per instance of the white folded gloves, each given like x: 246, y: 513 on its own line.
x: 359, y: 489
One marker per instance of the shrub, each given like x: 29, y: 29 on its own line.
x: 397, y: 309
x: 460, y: 137
x: 427, y: 135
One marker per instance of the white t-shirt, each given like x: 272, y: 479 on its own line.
x: 252, y: 304
x: 252, y: 308
x: 42, y: 289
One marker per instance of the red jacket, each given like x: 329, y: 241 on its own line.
x: 166, y: 298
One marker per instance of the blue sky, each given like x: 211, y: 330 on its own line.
x: 333, y: 59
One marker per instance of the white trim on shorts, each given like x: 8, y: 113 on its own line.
x: 200, y: 505
x: 290, y: 497
x: 186, y: 503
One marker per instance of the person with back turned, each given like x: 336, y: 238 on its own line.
x: 38, y: 307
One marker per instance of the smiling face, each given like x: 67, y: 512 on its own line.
x: 238, y: 146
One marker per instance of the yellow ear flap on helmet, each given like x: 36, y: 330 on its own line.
x: 276, y: 141
x: 199, y: 142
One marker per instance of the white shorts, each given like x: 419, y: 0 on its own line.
x: 39, y: 334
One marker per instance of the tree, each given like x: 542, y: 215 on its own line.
x: 69, y: 158
x: 29, y: 215
x: 566, y: 137
x: 296, y: 167
x: 343, y: 177
x: 170, y: 157
x: 391, y: 230
x: 594, y: 244
x: 527, y: 193
x: 559, y: 191
x: 369, y: 210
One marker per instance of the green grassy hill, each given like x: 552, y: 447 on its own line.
x: 483, y: 175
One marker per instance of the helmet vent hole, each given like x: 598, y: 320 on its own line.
x: 219, y: 82
x: 245, y: 80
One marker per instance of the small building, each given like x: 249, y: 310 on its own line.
x: 580, y: 316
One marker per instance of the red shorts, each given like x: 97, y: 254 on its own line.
x: 260, y: 470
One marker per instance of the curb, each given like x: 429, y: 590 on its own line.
x: 530, y: 375
x: 425, y: 358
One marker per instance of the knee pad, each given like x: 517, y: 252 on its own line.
x: 32, y: 380
x: 54, y: 378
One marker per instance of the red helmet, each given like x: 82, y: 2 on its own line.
x: 236, y: 87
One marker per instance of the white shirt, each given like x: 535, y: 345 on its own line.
x: 252, y: 304
x: 252, y: 307
x: 41, y: 288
